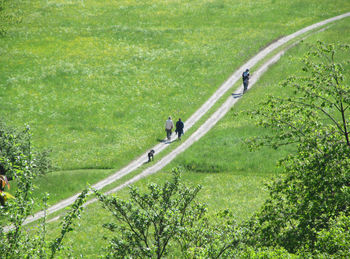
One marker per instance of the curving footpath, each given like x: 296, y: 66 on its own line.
x: 203, y: 129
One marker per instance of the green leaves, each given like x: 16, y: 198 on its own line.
x: 167, y: 219
x: 18, y: 160
x: 149, y: 223
x: 314, y: 189
x: 321, y: 99
x: 336, y: 239
x: 67, y: 223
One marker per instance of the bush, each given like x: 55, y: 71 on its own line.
x: 20, y: 161
x: 314, y: 189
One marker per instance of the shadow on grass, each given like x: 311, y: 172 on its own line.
x: 237, y: 95
x: 166, y: 141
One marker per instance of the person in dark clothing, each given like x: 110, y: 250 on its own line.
x: 151, y: 155
x: 179, y: 128
x: 245, y: 78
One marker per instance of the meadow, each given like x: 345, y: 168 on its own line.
x: 96, y: 80
x: 232, y: 177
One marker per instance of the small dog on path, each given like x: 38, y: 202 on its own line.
x: 151, y: 155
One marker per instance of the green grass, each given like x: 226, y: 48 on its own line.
x: 96, y: 80
x: 221, y: 152
x: 226, y: 183
x: 62, y: 184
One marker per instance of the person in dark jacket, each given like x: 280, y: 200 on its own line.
x: 179, y: 128
x: 151, y: 155
x: 245, y: 78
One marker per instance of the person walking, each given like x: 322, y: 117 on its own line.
x: 179, y: 128
x: 169, y: 125
x: 245, y: 78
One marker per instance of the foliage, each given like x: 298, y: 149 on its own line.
x: 214, y: 236
x: 263, y: 252
x: 147, y: 223
x: 167, y: 219
x: 20, y: 162
x: 335, y: 241
x: 18, y: 242
x: 17, y: 152
x: 316, y: 185
x: 67, y: 222
x: 314, y: 190
x: 319, y: 107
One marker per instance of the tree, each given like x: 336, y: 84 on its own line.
x: 319, y: 107
x: 315, y: 187
x: 216, y: 236
x: 167, y: 218
x: 23, y: 164
x: 335, y: 241
x: 148, y: 223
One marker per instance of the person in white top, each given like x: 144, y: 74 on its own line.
x: 169, y: 125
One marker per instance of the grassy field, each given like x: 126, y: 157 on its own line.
x: 232, y: 178
x: 96, y: 80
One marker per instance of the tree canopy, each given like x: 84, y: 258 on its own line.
x: 315, y: 187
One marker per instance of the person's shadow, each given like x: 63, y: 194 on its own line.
x: 237, y: 95
x: 166, y: 141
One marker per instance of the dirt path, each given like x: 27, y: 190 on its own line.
x: 203, y: 129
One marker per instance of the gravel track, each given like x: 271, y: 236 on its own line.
x: 202, y: 130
